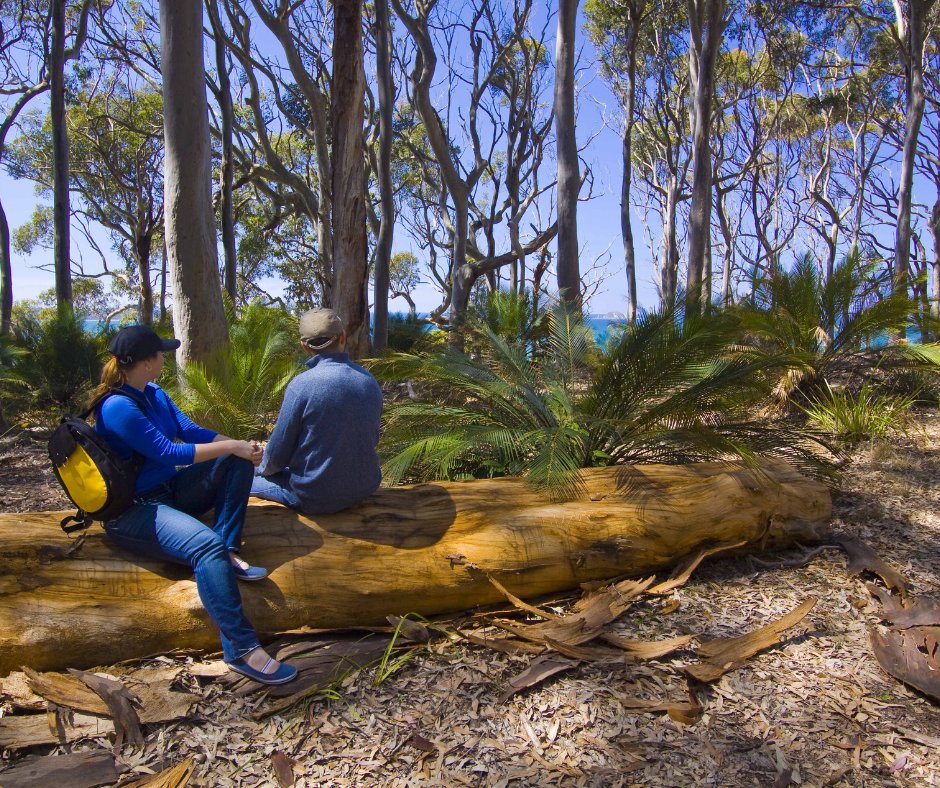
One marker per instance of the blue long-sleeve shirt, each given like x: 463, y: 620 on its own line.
x: 326, y: 434
x: 160, y: 433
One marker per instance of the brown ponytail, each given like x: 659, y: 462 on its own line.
x: 111, y: 376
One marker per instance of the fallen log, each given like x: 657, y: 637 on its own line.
x: 65, y: 603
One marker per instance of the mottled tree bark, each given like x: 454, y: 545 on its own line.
x: 569, y: 170
x: 60, y: 158
x: 349, y: 208
x: 198, y: 314
x: 383, y: 244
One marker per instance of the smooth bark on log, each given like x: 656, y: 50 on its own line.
x: 402, y: 550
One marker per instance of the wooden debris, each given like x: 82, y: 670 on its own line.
x: 174, y: 777
x: 66, y: 690
x: 725, y: 654
x: 681, y: 574
x: 920, y: 612
x: 911, y: 656
x: 76, y: 770
x: 646, y: 649
x: 687, y: 713
x: 120, y: 704
x: 542, y: 668
x: 588, y: 617
x: 159, y: 702
x: 863, y: 559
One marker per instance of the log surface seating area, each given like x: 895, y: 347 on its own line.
x: 69, y: 603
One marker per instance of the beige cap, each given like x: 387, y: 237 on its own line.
x: 319, y: 327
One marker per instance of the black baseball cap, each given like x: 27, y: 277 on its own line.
x: 135, y: 343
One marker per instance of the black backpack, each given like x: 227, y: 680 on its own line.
x: 94, y: 476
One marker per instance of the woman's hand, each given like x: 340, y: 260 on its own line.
x: 247, y: 450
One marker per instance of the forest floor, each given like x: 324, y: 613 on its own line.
x: 815, y: 710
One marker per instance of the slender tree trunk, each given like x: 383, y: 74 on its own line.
x: 60, y: 158
x: 230, y: 266
x: 383, y: 244
x: 142, y: 253
x: 198, y: 313
x: 670, y: 272
x: 6, y: 275
x: 706, y: 26
x: 914, y: 34
x: 349, y: 209
x: 626, y: 225
x: 935, y: 279
x: 569, y: 175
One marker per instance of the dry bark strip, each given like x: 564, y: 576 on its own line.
x: 120, y: 705
x: 911, y: 656
x: 726, y: 654
x: 863, y: 559
x: 174, y: 777
x: 540, y: 669
x: 76, y: 770
x: 681, y: 574
x: 921, y: 612
x: 66, y: 607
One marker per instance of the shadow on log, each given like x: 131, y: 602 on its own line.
x: 65, y: 603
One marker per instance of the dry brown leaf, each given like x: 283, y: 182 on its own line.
x: 419, y: 742
x: 687, y: 713
x: 900, y: 655
x: 681, y: 574
x: 726, y: 654
x: 542, y: 668
x: 174, y: 777
x: 283, y: 769
x: 76, y: 770
x: 863, y: 559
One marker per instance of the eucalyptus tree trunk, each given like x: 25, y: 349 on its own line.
x: 569, y: 176
x: 6, y: 275
x: 60, y: 158
x: 227, y: 178
x: 198, y: 313
x: 911, y: 31
x: 935, y: 279
x: 349, y: 209
x: 637, y: 10
x: 706, y: 27
x: 142, y: 252
x: 669, y: 277
x: 383, y: 244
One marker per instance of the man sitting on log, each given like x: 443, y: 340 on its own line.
x: 322, y: 454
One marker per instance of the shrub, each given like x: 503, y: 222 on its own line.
x: 867, y: 414
x: 62, y: 364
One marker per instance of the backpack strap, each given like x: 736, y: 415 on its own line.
x: 80, y: 519
x: 141, y: 402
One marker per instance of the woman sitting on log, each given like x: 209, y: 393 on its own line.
x: 162, y: 522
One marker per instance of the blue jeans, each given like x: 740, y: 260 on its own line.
x: 275, y: 488
x: 162, y: 524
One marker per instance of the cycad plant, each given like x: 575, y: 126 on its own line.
x: 820, y: 328
x: 671, y: 390
x: 62, y: 363
x: 263, y: 356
